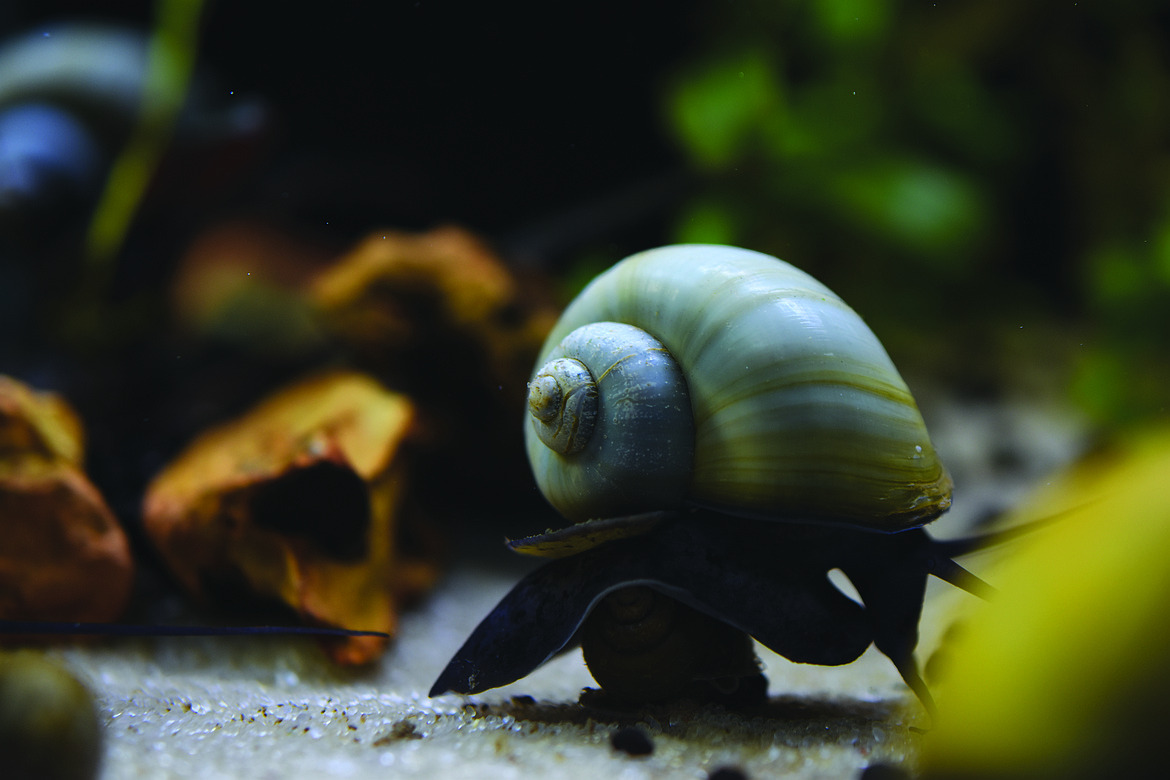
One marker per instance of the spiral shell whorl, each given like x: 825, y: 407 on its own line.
x: 798, y: 411
x: 628, y: 446
x: 562, y: 399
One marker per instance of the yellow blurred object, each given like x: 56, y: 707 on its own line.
x: 1067, y: 672
x: 298, y: 501
x: 63, y: 555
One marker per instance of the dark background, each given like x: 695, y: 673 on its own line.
x: 495, y: 116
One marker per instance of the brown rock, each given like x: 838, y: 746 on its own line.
x: 297, y: 501
x: 63, y: 555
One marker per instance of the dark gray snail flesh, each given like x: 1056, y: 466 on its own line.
x: 775, y: 589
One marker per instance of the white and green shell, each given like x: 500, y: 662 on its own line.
x: 713, y: 376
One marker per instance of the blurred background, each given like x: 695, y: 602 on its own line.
x: 987, y: 182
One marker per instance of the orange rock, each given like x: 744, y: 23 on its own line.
x: 397, y: 295
x: 439, y: 316
x: 40, y: 424
x: 63, y: 555
x: 296, y: 501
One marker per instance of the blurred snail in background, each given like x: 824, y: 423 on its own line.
x: 723, y: 431
x: 49, y: 725
x: 70, y: 96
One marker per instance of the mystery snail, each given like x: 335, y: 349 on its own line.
x: 723, y: 431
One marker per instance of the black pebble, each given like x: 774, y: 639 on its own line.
x: 632, y: 740
x: 727, y: 773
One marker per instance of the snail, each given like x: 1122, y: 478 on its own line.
x: 71, y: 95
x: 722, y: 431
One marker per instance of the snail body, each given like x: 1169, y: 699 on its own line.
x: 644, y: 646
x: 722, y: 429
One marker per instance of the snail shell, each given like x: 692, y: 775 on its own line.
x: 699, y: 375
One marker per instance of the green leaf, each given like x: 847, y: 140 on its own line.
x: 722, y: 111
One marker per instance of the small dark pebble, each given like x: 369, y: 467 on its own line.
x: 727, y: 773
x: 632, y: 740
x: 884, y: 772
x: 523, y: 700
